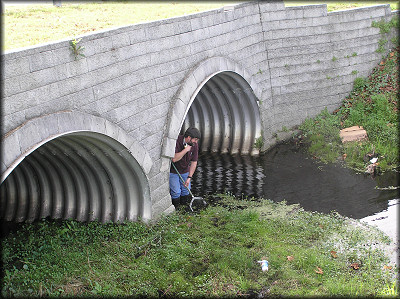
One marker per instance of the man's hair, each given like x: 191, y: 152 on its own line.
x: 192, y: 132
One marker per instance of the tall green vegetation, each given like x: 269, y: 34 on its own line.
x: 372, y: 104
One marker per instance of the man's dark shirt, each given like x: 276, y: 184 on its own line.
x: 183, y: 165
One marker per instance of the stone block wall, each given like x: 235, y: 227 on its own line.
x: 300, y: 58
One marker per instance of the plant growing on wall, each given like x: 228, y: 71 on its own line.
x: 384, y: 30
x: 77, y: 50
x: 258, y: 144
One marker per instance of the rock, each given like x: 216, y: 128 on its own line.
x: 354, y: 133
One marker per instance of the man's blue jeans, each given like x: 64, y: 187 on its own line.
x: 176, y: 187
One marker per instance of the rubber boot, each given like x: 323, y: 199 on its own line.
x: 185, y: 200
x: 176, y: 202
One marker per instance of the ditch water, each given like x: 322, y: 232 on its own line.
x: 288, y: 173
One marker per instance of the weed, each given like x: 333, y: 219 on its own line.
x: 384, y: 29
x: 372, y: 104
x: 259, y: 143
x: 77, y: 50
x: 354, y: 72
x: 334, y: 58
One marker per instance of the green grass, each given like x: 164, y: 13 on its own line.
x: 337, y: 5
x: 36, y: 24
x: 211, y: 253
x: 372, y: 104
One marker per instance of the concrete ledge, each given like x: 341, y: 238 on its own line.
x: 32, y: 134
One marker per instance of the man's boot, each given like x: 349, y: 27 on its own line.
x: 185, y: 201
x: 176, y: 202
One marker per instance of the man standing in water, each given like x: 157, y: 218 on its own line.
x: 185, y: 161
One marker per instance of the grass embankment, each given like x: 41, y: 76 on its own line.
x: 214, y: 252
x: 373, y: 104
x: 39, y: 23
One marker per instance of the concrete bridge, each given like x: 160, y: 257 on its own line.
x: 91, y: 137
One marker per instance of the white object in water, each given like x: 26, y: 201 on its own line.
x: 264, y: 265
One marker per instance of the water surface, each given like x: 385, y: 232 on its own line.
x: 288, y: 173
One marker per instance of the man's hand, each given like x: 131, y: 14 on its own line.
x: 187, y: 148
x: 187, y: 182
x: 183, y: 152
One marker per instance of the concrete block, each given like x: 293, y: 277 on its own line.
x: 294, y: 12
x: 271, y: 6
x: 42, y: 61
x: 112, y: 131
x: 315, y: 11
x: 137, y: 35
x: 101, y: 60
x: 11, y: 87
x: 273, y: 15
x: 40, y: 78
x: 15, y: 67
x: 161, y: 207
x: 120, y: 40
x: 163, y: 96
x: 162, y: 83
x: 76, y: 68
x: 13, y: 121
x: 138, y: 152
x: 21, y: 101
x: 168, y: 149
x: 147, y: 163
x: 29, y: 137
x: 97, y: 124
x: 11, y: 148
x: 47, y: 126
x: 156, y: 32
x: 320, y: 21
x: 97, y: 46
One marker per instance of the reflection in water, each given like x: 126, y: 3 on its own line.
x: 220, y: 173
x: 287, y: 173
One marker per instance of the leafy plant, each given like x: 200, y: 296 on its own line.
x: 77, y: 50
x: 259, y: 143
x: 372, y: 104
x: 384, y: 29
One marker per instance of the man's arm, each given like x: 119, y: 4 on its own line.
x: 180, y: 155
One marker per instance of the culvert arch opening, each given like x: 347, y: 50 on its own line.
x: 226, y: 112
x: 83, y: 176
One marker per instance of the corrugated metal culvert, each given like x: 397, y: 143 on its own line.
x: 226, y: 112
x: 82, y: 176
